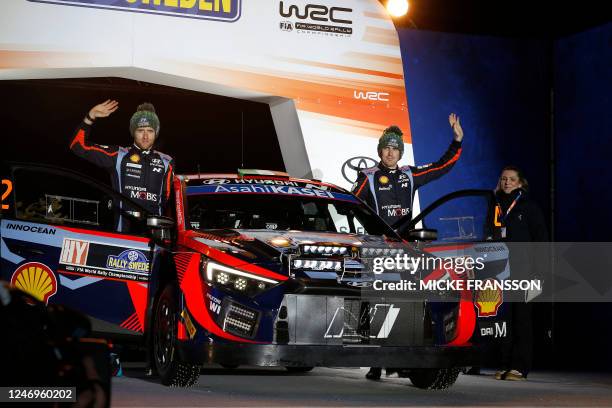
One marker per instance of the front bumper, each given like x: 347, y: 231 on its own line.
x: 270, y: 355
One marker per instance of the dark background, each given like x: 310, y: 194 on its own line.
x: 544, y: 105
x: 39, y: 117
x: 517, y: 19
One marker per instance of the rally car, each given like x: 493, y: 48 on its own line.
x: 253, y: 268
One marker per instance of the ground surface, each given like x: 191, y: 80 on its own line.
x: 258, y: 387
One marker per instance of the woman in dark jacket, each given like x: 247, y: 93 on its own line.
x: 521, y: 218
x: 522, y: 221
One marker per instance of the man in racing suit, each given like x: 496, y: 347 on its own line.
x: 142, y: 174
x: 389, y: 189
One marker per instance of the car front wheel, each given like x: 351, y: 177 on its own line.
x: 433, y: 378
x: 171, y: 370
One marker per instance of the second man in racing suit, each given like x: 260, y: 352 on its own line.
x: 389, y: 189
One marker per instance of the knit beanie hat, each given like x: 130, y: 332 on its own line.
x: 392, y: 136
x: 144, y: 116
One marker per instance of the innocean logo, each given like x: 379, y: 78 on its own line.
x: 219, y: 10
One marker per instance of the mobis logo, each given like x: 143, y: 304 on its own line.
x: 220, y: 10
x: 371, y: 96
x: 337, y: 18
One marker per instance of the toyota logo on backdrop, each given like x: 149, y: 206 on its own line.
x: 352, y: 167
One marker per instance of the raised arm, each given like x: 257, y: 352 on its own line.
x: 100, y: 155
x: 432, y: 171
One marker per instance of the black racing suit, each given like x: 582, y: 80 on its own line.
x: 145, y: 176
x: 390, y: 192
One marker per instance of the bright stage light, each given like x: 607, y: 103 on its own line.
x: 397, y: 8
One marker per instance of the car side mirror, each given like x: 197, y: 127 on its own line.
x: 421, y: 235
x: 162, y: 228
x: 160, y: 222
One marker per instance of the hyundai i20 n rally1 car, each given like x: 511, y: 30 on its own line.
x: 255, y: 268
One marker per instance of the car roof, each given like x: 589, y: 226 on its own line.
x: 201, y: 178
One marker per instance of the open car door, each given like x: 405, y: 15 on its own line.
x: 465, y: 224
x: 461, y: 224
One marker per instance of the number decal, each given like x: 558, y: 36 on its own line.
x: 9, y: 188
x: 498, y: 212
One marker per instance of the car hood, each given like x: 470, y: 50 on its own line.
x: 268, y: 247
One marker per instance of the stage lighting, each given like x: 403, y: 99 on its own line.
x: 397, y: 8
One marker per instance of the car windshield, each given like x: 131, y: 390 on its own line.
x: 275, y: 212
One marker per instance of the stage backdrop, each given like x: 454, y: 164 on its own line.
x: 330, y: 71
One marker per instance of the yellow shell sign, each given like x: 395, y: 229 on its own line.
x: 487, y: 301
x: 35, y: 279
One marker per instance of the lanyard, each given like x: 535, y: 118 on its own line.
x: 503, y: 216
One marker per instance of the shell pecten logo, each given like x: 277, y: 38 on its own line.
x: 35, y: 279
x: 488, y: 301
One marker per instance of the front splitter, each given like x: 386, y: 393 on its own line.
x: 270, y: 355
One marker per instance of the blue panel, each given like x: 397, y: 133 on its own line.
x: 499, y: 88
x: 583, y: 105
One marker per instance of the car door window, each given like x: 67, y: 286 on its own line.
x: 345, y: 222
x: 460, y: 219
x: 58, y: 198
x: 463, y: 216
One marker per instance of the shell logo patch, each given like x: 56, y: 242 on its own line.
x: 134, y: 158
x: 383, y: 179
x: 487, y: 301
x: 36, y: 279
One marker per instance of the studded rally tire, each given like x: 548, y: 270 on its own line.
x: 434, y: 379
x: 299, y: 369
x: 171, y: 371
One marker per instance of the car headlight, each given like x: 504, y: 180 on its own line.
x: 317, y: 265
x: 235, y: 280
x: 329, y: 250
x: 370, y: 252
